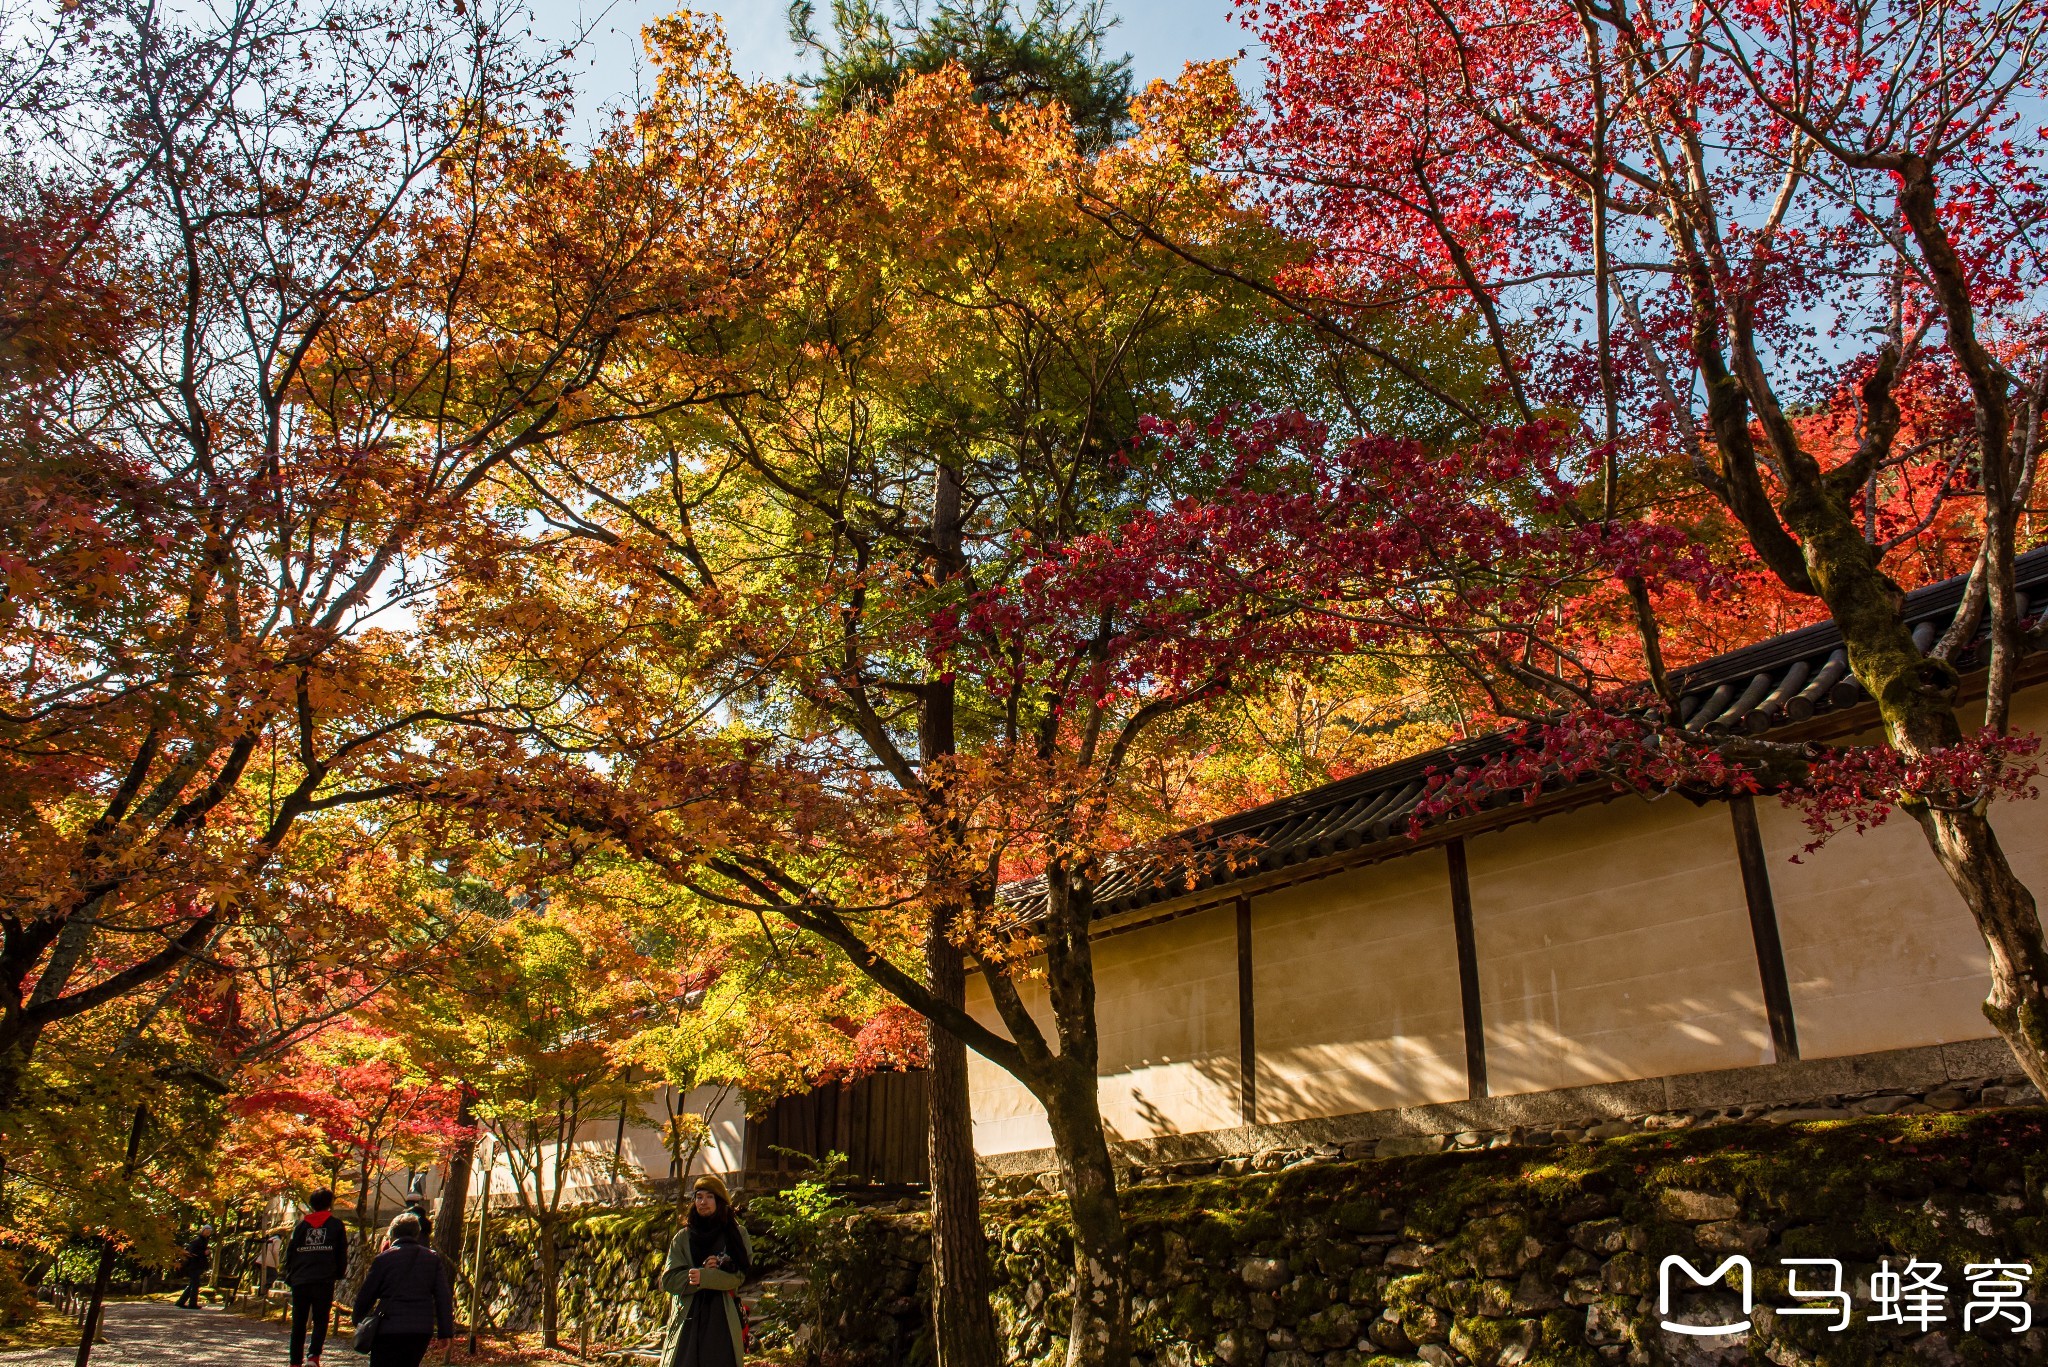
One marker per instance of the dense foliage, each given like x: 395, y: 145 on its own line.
x: 494, y: 623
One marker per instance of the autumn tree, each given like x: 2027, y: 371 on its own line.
x: 273, y: 317
x: 1051, y: 53
x: 358, y: 1093
x: 1787, y: 251
x: 529, y: 1015
x: 903, y: 578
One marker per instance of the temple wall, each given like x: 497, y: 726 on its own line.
x: 1880, y: 952
x: 1007, y: 1118
x: 1613, y: 942
x: 2023, y: 826
x: 1356, y: 983
x: 1167, y: 999
x: 1870, y: 921
x: 1167, y: 1005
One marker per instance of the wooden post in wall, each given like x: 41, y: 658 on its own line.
x: 1468, y: 969
x: 1247, y: 1043
x: 1763, y: 927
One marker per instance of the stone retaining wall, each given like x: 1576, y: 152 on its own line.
x: 1547, y: 1254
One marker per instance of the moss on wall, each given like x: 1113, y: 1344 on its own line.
x: 1544, y: 1256
x: 611, y: 1271
x: 1541, y: 1256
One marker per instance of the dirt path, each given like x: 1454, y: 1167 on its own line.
x: 145, y: 1334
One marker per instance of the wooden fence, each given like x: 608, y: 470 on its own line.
x: 877, y: 1122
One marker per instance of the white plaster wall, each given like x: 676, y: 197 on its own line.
x: 1614, y: 943
x: 1007, y: 1118
x: 641, y: 1155
x: 1166, y: 1002
x: 2023, y: 826
x: 1355, y: 988
x: 1880, y: 949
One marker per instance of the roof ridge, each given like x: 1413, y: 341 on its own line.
x: 1783, y: 678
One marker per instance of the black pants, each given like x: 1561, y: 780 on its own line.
x: 399, y: 1350
x: 190, y: 1300
x: 314, y: 1304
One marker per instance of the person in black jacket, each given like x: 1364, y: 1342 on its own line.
x: 408, y: 1290
x: 315, y: 1258
x: 416, y: 1206
x: 198, y: 1259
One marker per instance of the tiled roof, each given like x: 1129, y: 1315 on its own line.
x: 1782, y: 681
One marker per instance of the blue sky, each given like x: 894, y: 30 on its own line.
x: 1160, y: 35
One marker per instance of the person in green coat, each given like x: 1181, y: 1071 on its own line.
x: 708, y: 1262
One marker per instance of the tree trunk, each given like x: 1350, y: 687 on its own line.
x: 550, y: 1273
x: 89, y: 1331
x: 361, y: 1251
x: 17, y: 1050
x: 448, y: 1222
x: 1098, y: 1334
x: 2017, y: 1005
x: 1915, y: 696
x: 963, y: 1318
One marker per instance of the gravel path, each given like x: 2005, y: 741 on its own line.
x: 147, y: 1334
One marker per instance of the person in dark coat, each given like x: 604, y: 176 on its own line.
x: 416, y: 1206
x: 708, y: 1263
x: 408, y: 1290
x: 198, y: 1261
x: 315, y: 1258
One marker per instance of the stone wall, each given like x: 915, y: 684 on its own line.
x: 611, y: 1272
x: 1531, y: 1253
x: 1543, y: 1254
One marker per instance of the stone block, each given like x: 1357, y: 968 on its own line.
x: 1973, y: 1058
x: 1606, y: 1323
x: 1897, y: 1070
x: 1387, y: 1333
x: 1240, y: 1350
x: 1534, y: 1294
x: 1263, y: 1274
x: 1731, y: 1236
x: 1697, y: 1207
x: 1336, y: 1327
x: 1405, y: 1146
x: 1799, y: 1115
x: 1601, y: 1236
x: 1495, y: 1343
